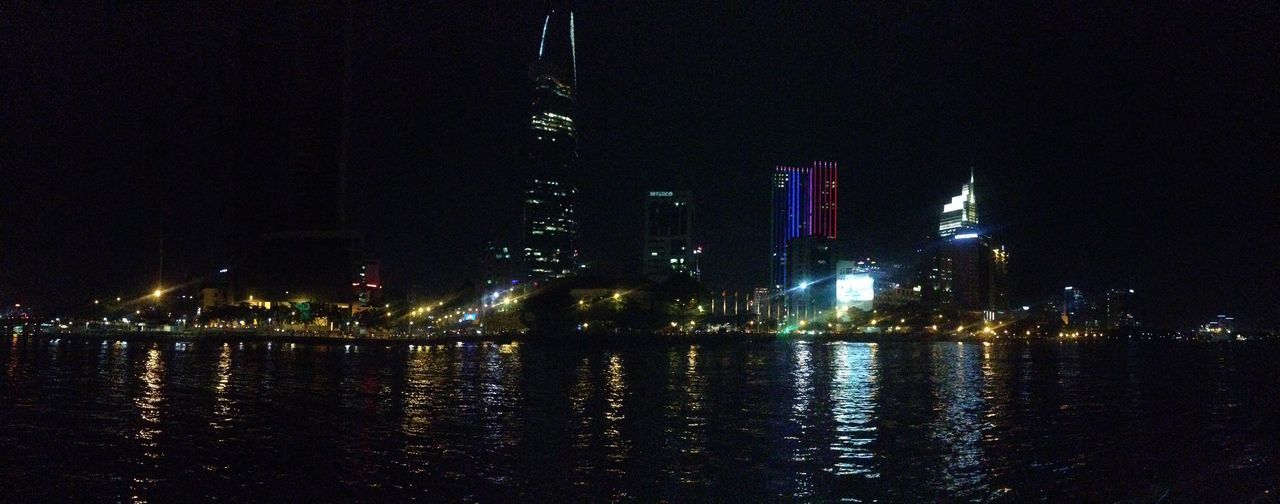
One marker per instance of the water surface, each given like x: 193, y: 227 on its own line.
x: 780, y: 420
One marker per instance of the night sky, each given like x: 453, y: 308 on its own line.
x: 1114, y: 145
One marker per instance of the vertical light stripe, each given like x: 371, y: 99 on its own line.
x: 542, y: 43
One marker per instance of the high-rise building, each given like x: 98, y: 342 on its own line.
x: 550, y: 223
x: 1120, y: 309
x: 498, y: 267
x: 1075, y: 309
x: 974, y: 269
x: 367, y: 284
x: 966, y: 269
x: 804, y: 204
x: 961, y: 214
x: 668, y: 235
x: 811, y: 271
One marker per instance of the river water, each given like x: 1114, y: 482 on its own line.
x: 732, y: 421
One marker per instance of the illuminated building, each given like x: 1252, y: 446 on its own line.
x: 966, y: 269
x: 961, y: 214
x: 668, y: 235
x: 811, y: 271
x: 550, y: 223
x: 804, y: 204
x: 855, y: 287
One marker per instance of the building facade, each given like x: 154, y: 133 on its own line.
x: 668, y: 235
x: 960, y: 215
x: 1120, y: 309
x: 550, y: 248
x: 804, y: 203
x: 811, y: 271
x: 965, y: 268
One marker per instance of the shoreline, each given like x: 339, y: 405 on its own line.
x: 575, y: 339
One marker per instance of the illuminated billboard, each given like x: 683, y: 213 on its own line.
x: 855, y: 290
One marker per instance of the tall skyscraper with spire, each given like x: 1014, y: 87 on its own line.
x: 961, y: 214
x: 550, y: 248
x: 970, y: 269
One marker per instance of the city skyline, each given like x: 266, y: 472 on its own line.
x: 1074, y: 208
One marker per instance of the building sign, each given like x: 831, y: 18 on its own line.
x: 855, y: 290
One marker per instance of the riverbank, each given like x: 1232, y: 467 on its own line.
x: 573, y: 338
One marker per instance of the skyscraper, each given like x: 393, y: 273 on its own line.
x: 961, y: 214
x: 668, y: 234
x: 1120, y: 309
x: 550, y: 223
x: 804, y: 204
x: 976, y: 270
x: 811, y: 269
x: 1075, y: 310
x: 969, y: 270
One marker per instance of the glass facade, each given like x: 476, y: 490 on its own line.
x: 804, y: 204
x: 961, y: 214
x: 668, y: 235
x: 550, y: 248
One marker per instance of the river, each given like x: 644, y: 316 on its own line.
x: 790, y: 419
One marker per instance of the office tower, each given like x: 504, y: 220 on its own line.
x: 811, y: 271
x: 1120, y: 309
x: 367, y: 284
x: 550, y: 197
x: 1074, y: 306
x: 975, y: 270
x: 804, y: 204
x: 668, y: 235
x: 498, y: 266
x: 961, y: 214
x: 969, y: 270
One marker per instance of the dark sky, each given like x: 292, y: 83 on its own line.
x: 1114, y: 145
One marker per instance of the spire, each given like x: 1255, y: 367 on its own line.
x: 557, y: 51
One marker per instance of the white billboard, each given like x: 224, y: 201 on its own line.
x: 855, y: 290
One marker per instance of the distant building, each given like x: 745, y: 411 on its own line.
x: 1075, y: 307
x: 668, y: 235
x: 804, y: 200
x: 855, y: 286
x: 550, y: 248
x: 760, y: 303
x: 961, y: 214
x: 368, y: 283
x: 498, y: 267
x: 1220, y: 329
x: 811, y: 271
x: 975, y: 271
x: 965, y: 268
x: 1120, y: 309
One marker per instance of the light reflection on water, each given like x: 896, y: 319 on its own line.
x: 807, y: 420
x: 855, y: 387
